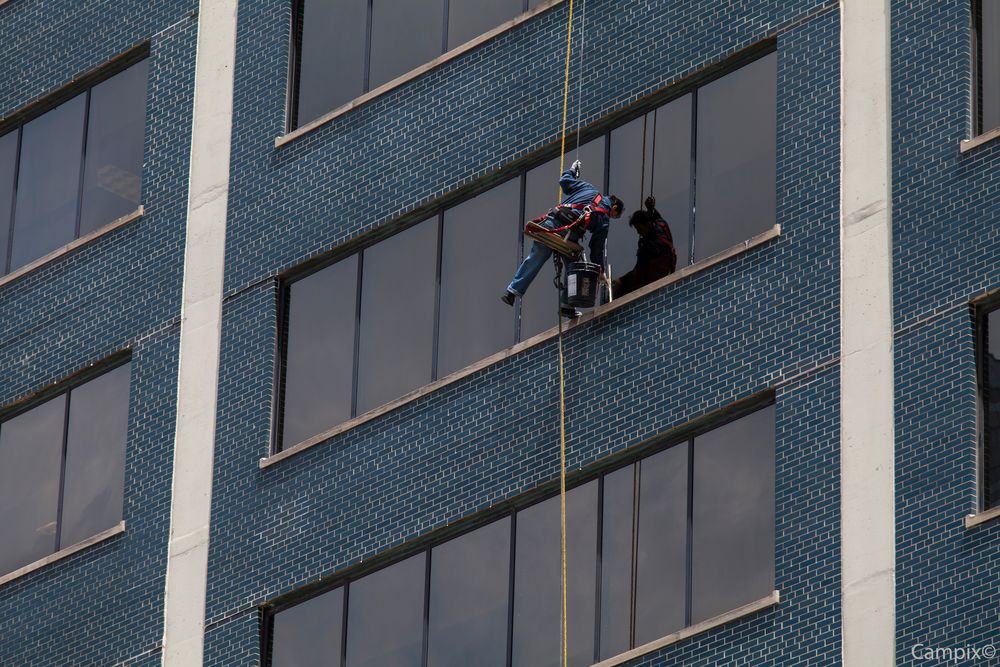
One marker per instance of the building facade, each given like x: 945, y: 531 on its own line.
x: 260, y: 403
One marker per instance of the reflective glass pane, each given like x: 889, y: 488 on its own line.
x: 30, y: 459
x: 332, y: 56
x: 628, y: 180
x: 671, y: 173
x: 309, y: 634
x: 541, y: 192
x: 385, y: 616
x: 478, y: 250
x: 736, y: 157
x: 991, y: 394
x: 661, y: 561
x: 538, y: 580
x: 471, y: 18
x: 8, y: 167
x: 733, y: 550
x: 405, y: 35
x: 991, y: 65
x: 95, y: 456
x: 48, y: 182
x: 319, y: 366
x: 112, y: 179
x: 616, y: 561
x: 468, y: 600
x: 397, y: 315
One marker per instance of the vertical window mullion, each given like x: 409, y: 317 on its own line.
x: 519, y: 250
x: 510, y: 589
x: 634, y: 574
x: 436, y: 336
x: 692, y: 195
x: 444, y: 30
x: 83, y: 166
x: 343, y: 633
x: 977, y: 67
x: 295, y: 65
x: 689, y: 566
x: 13, y: 202
x: 427, y: 609
x: 368, y: 46
x: 357, y: 335
x: 280, y: 367
x: 599, y: 568
x: 62, y: 473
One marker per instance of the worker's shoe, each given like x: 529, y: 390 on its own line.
x: 569, y: 312
x: 508, y: 298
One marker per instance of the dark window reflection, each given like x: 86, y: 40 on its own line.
x: 538, y: 577
x: 397, y: 315
x: 661, y: 561
x: 30, y: 457
x: 540, y: 304
x: 386, y: 616
x: 616, y: 562
x: 991, y: 395
x: 48, y: 182
x: 332, y: 55
x: 116, y: 129
x: 95, y: 456
x: 469, y: 597
x: 627, y: 180
x: 471, y: 18
x: 990, y: 65
x: 8, y: 168
x: 320, y: 359
x: 309, y: 634
x: 405, y: 35
x: 478, y: 251
x: 736, y: 157
x: 672, y: 172
x: 733, y: 515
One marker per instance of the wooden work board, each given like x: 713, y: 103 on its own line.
x: 552, y: 240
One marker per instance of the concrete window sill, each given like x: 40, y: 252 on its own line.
x: 967, y: 145
x: 973, y: 520
x: 751, y: 608
x: 71, y: 246
x: 412, y: 74
x: 596, y: 313
x: 64, y: 553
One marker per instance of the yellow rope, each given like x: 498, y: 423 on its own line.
x: 562, y: 377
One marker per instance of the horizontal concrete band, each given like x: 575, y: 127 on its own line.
x: 973, y: 520
x: 751, y: 608
x: 598, y: 312
x: 968, y: 144
x: 63, y: 553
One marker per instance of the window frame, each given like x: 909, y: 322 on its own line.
x: 981, y: 314
x: 65, y: 387
x: 684, y: 435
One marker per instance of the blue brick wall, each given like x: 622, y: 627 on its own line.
x: 646, y: 368
x: 103, y: 605
x: 945, y: 227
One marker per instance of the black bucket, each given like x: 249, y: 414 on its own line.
x: 582, y: 279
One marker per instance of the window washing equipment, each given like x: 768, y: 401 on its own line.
x: 582, y: 282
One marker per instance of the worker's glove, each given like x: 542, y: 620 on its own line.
x: 650, y: 203
x: 575, y: 168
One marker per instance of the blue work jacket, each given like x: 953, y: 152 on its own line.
x: 576, y: 191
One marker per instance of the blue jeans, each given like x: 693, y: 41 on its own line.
x: 537, y: 257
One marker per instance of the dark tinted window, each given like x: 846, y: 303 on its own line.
x: 320, y: 358
x: 989, y: 74
x: 671, y: 173
x: 616, y: 561
x: 115, y: 133
x: 733, y: 515
x: 991, y: 409
x: 386, y: 616
x: 8, y: 168
x: 538, y: 580
x: 309, y: 634
x: 478, y: 249
x: 631, y: 184
x: 331, y: 70
x: 95, y: 456
x: 469, y: 595
x: 397, y: 315
x: 30, y: 454
x: 661, y: 560
x: 736, y: 157
x: 48, y: 182
x: 405, y: 34
x: 471, y: 18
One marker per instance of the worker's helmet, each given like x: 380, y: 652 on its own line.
x: 616, y: 203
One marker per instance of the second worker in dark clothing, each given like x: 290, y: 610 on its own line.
x: 655, y: 256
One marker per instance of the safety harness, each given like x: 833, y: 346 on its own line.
x: 571, y: 219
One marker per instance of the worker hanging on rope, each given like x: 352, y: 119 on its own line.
x: 583, y: 209
x: 655, y: 257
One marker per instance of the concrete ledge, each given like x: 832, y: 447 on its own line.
x: 973, y: 520
x: 71, y: 246
x: 63, y: 553
x: 753, y: 607
x: 412, y: 74
x: 598, y: 312
x: 968, y: 144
